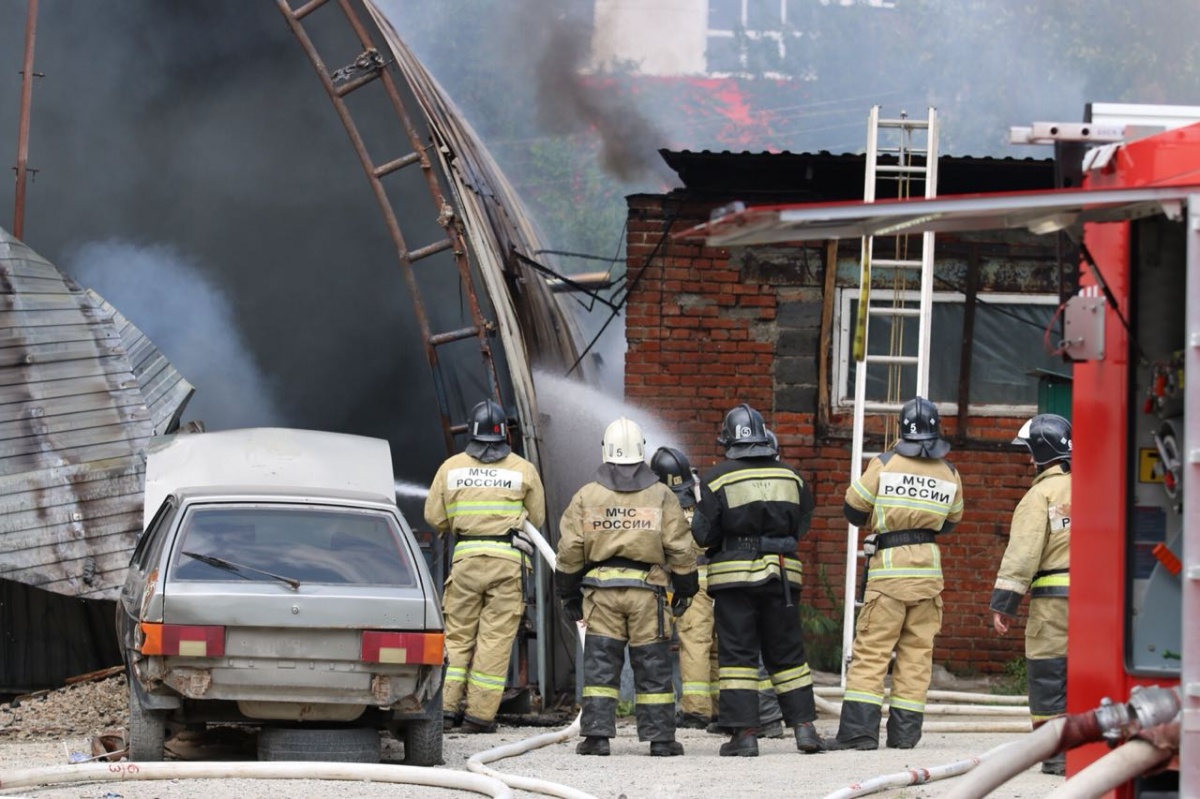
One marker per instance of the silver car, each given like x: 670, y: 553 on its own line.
x: 277, y: 582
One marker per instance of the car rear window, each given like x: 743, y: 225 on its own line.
x: 306, y: 544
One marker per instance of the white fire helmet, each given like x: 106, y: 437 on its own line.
x: 624, y: 442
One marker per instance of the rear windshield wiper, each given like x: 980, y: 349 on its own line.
x: 228, y: 565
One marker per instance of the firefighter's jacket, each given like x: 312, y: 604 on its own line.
x: 1039, y: 545
x: 610, y: 538
x: 486, y: 504
x: 898, y: 493
x: 752, y: 511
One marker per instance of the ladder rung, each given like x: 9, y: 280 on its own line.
x: 893, y: 168
x: 887, y: 310
x: 904, y: 360
x: 893, y: 263
x: 356, y: 83
x: 309, y: 7
x: 425, y: 252
x: 909, y: 150
x: 871, y: 406
x: 399, y: 163
x: 904, y: 123
x: 453, y: 335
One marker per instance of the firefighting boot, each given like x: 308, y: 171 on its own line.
x: 744, y: 743
x: 593, y: 745
x: 807, y: 739
x: 665, y: 748
x: 450, y: 721
x: 904, y: 728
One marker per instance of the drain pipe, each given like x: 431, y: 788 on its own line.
x: 1146, y: 708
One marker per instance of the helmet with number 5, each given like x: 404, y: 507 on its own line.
x: 1048, y: 437
x: 921, y: 430
x: 624, y: 443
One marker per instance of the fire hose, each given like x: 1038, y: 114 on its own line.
x: 1147, y: 708
x: 916, y: 776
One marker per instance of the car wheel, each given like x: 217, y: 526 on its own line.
x: 344, y: 745
x: 147, y: 730
x: 422, y: 742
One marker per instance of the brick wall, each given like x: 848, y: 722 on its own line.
x: 707, y: 328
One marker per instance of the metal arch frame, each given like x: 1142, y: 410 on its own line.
x: 481, y: 327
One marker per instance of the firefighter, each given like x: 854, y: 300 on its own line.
x: 483, y: 495
x: 1036, y: 561
x: 907, y: 496
x: 752, y: 511
x: 623, y: 539
x: 698, y: 669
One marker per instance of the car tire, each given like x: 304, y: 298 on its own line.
x: 147, y: 730
x: 343, y: 745
x: 422, y: 742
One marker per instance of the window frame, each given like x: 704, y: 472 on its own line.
x: 843, y: 322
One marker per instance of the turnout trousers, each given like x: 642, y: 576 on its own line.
x: 616, y: 617
x: 482, y: 604
x: 755, y: 621
x: 886, y: 624
x: 1046, y: 658
x: 697, y: 670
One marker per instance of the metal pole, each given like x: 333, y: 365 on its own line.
x: 542, y: 635
x: 1189, y: 743
x: 23, y: 129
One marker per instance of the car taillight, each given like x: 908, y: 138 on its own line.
x: 383, y: 647
x: 182, y: 639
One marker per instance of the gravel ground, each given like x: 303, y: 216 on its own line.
x: 45, y: 729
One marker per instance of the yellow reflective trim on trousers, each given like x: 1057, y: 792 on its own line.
x: 866, y: 697
x: 890, y: 574
x: 742, y: 672
x: 739, y: 685
x: 698, y: 688
x: 899, y: 703
x: 456, y: 674
x: 498, y: 549
x: 792, y: 679
x: 1052, y: 581
x: 605, y: 573
x: 794, y: 685
x: 1043, y: 719
x: 488, y: 682
x: 654, y: 699
x: 749, y: 571
x: 766, y: 685
x: 601, y: 692
x: 791, y: 674
x: 494, y: 507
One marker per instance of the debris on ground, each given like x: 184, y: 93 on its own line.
x: 85, y: 708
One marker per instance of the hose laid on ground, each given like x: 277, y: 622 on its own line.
x: 916, y: 776
x: 943, y: 696
x: 1018, y: 723
x: 1039, y: 745
x: 1116, y: 768
x: 358, y: 772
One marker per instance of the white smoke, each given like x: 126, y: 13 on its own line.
x: 189, y: 319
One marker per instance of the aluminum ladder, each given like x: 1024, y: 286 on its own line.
x: 900, y: 162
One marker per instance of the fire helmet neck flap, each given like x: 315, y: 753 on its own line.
x: 624, y: 443
x: 1048, y: 438
x: 488, y: 422
x: 674, y: 471
x: 920, y: 430
x: 744, y: 434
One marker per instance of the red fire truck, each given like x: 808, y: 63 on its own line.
x: 1133, y: 333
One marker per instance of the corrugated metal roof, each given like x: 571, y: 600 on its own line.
x: 75, y: 416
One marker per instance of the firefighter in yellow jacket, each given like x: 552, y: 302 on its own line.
x: 752, y: 511
x: 1036, y: 562
x: 483, y: 495
x: 623, y: 538
x: 907, y: 497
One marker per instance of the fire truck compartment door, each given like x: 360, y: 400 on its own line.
x: 1038, y: 211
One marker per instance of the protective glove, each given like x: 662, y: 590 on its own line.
x: 572, y: 609
x: 522, y: 542
x: 685, y: 585
x: 680, y: 604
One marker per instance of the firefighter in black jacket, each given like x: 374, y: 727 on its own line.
x: 752, y: 511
